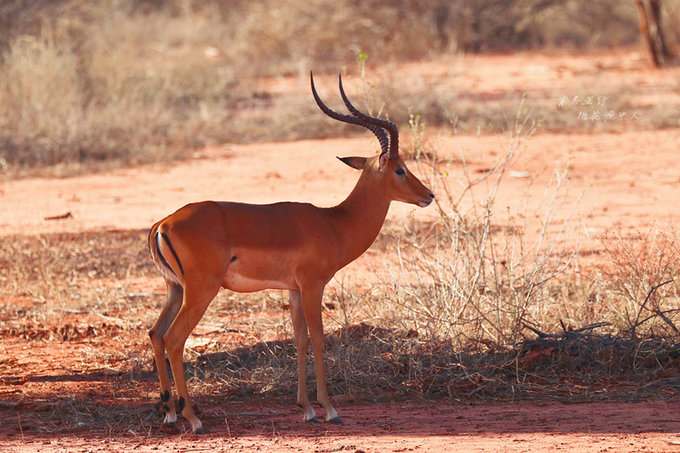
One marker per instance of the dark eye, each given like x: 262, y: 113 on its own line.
x: 399, y: 171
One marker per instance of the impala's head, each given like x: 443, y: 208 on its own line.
x: 388, y: 169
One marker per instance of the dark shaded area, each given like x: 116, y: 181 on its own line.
x: 376, y: 363
x: 568, y: 368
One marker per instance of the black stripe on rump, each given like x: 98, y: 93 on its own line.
x: 172, y: 249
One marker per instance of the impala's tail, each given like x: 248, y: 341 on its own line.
x: 164, y: 254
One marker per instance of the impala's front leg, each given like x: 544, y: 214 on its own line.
x: 311, y: 306
x: 302, y: 344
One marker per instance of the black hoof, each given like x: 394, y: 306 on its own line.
x: 200, y: 431
x: 169, y: 428
x: 336, y: 420
x: 312, y: 420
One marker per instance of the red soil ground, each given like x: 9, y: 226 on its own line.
x: 396, y: 427
x: 624, y: 181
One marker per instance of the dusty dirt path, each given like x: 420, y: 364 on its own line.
x: 624, y: 180
x: 399, y: 427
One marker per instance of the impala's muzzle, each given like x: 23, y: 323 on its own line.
x: 426, y: 202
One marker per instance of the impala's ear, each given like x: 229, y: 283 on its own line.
x: 354, y: 162
x: 383, y: 159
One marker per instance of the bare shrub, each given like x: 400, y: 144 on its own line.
x: 471, y: 277
x: 641, y: 274
x: 110, y: 86
x: 35, y: 68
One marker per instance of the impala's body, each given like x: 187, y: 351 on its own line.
x: 290, y: 246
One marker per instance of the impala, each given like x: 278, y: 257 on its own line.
x: 288, y: 246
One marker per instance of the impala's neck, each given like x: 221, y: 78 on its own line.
x: 361, y: 215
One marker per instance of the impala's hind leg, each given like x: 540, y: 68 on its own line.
x: 156, y: 333
x: 197, y: 297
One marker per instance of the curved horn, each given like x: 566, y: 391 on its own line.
x: 379, y: 133
x: 388, y: 125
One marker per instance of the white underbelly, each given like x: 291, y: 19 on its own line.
x: 242, y: 284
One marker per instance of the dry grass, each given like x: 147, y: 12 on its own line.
x: 67, y: 271
x: 421, y: 354
x: 642, y: 277
x: 120, y: 82
x: 77, y: 91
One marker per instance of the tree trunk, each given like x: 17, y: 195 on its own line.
x: 652, y: 32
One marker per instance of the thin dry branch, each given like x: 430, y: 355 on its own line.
x: 568, y: 333
x: 657, y: 312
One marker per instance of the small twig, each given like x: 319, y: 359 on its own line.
x: 592, y: 326
x: 564, y: 328
x: 655, y: 314
x: 539, y: 333
x: 21, y: 429
x: 567, y: 333
x: 118, y: 321
x: 667, y: 320
x: 68, y: 215
x: 643, y: 306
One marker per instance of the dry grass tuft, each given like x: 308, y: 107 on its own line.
x: 60, y: 268
x: 642, y: 275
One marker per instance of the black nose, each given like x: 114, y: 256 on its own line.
x: 431, y: 195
